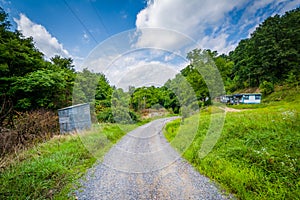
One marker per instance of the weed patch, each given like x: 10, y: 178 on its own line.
x: 50, y: 170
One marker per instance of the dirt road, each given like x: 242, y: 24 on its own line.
x: 144, y: 166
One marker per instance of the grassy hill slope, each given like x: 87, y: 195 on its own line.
x: 258, y: 153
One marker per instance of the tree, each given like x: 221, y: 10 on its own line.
x: 63, y: 63
x: 182, y: 93
x: 85, y: 86
x: 203, y: 74
x: 271, y: 53
x: 103, y: 99
x: 41, y: 88
x: 26, y: 79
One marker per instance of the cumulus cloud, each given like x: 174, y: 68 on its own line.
x: 289, y: 6
x: 208, y: 22
x: 139, y: 67
x: 44, y: 41
x: 146, y: 74
x: 190, y: 18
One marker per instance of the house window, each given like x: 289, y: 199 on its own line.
x: 257, y: 97
x: 246, y: 97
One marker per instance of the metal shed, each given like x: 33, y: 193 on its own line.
x: 75, y: 118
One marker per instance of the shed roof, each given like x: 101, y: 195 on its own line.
x: 73, y: 106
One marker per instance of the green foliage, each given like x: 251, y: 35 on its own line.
x: 46, y: 170
x: 284, y: 94
x: 42, y: 88
x: 171, y: 129
x: 151, y: 97
x: 63, y: 63
x: 185, y: 112
x: 271, y: 53
x: 105, y: 115
x: 120, y: 107
x: 201, y: 80
x: 292, y: 79
x: 182, y: 90
x: 95, y: 89
x: 4, y: 23
x: 103, y: 89
x: 85, y: 86
x: 26, y: 78
x: 266, y: 87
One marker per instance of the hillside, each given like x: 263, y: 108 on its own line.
x: 257, y: 154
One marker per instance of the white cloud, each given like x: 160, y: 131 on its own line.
x: 77, y: 61
x: 181, y: 15
x: 289, y: 6
x: 133, y: 70
x: 85, y: 37
x: 190, y: 18
x: 146, y: 74
x: 217, y: 43
x: 44, y: 41
x: 141, y: 67
x: 195, y: 18
x: 160, y: 38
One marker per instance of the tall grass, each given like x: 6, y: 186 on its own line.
x: 258, y: 153
x: 50, y: 170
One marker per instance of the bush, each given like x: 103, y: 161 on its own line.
x: 292, y: 79
x: 266, y: 87
x: 105, y: 115
x: 28, y: 128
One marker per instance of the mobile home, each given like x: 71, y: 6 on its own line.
x: 248, y: 98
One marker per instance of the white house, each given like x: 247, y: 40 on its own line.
x: 245, y: 98
x: 248, y: 98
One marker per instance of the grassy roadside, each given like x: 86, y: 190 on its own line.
x: 258, y: 153
x: 49, y: 170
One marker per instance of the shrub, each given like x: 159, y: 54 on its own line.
x: 266, y: 87
x: 28, y: 128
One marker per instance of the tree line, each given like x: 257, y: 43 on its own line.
x: 271, y: 55
x: 29, y: 82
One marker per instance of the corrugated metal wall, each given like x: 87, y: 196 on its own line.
x: 75, y: 118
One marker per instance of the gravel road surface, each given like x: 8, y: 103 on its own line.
x: 142, y: 165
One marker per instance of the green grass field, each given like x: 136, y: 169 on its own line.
x: 50, y: 170
x: 257, y: 155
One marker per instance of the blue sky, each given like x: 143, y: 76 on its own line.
x: 78, y: 25
x: 78, y: 28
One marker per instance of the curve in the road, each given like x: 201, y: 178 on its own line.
x: 143, y: 165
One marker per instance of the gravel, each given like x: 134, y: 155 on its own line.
x: 144, y: 166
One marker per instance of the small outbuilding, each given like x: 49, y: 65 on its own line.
x: 74, y: 118
x: 228, y: 99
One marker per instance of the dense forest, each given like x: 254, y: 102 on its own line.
x: 29, y: 82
